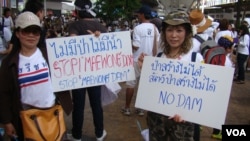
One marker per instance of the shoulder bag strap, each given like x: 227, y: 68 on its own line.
x: 56, y: 114
x: 154, y: 51
x: 2, y: 26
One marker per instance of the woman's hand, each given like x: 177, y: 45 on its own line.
x: 177, y: 118
x: 96, y: 33
x: 10, y: 130
x: 140, y: 59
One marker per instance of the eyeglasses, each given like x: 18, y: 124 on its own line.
x: 36, y: 31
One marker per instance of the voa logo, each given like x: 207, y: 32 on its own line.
x: 236, y: 132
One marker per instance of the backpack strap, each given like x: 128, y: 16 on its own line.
x: 155, y: 45
x: 200, y: 39
x: 159, y: 54
x: 193, y: 57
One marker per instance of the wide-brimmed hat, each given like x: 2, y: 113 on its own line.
x: 176, y: 18
x: 198, y: 19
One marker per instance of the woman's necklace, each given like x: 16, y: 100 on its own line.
x: 173, y: 56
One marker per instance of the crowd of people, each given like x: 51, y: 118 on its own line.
x: 170, y: 38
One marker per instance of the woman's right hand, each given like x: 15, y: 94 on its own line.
x: 10, y: 130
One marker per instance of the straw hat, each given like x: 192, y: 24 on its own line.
x: 198, y: 19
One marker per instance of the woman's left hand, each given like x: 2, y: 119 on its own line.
x: 177, y: 118
x: 96, y: 33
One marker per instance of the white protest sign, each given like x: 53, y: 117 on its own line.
x: 84, y: 61
x: 198, y: 92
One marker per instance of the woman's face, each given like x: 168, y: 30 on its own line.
x: 29, y: 37
x: 175, y: 36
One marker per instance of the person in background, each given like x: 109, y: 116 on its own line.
x: 212, y: 29
x: 20, y: 73
x: 202, y: 26
x: 176, y: 37
x: 246, y: 22
x: 86, y: 24
x: 4, y: 43
x: 242, y: 53
x: 7, y: 19
x: 228, y: 43
x: 125, y: 26
x: 156, y: 20
x: 143, y: 39
x: 8, y: 26
x: 234, y: 32
x: 51, y: 34
x: 223, y: 30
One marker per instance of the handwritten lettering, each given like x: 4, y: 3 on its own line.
x: 76, y: 46
x: 203, y: 83
x: 180, y: 101
x: 104, y: 78
x: 73, y: 66
x: 71, y: 83
x: 85, y: 60
x: 178, y: 68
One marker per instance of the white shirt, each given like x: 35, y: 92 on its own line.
x: 196, y: 43
x: 143, y: 38
x: 228, y: 62
x: 243, y: 45
x: 8, y: 22
x: 210, y: 30
x: 6, y: 36
x: 34, y: 80
x: 188, y: 57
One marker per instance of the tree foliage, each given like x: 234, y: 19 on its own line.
x: 110, y: 10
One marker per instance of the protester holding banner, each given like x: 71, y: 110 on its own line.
x: 25, y: 78
x: 176, y: 36
x: 86, y: 24
x: 6, y: 20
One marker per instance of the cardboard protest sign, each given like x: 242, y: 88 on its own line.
x: 198, y: 92
x: 84, y: 61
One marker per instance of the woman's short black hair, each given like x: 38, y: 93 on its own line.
x: 5, y: 10
x: 33, y: 6
x: 244, y: 29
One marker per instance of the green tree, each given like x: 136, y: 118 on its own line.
x: 110, y: 10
